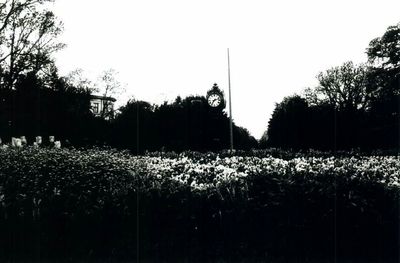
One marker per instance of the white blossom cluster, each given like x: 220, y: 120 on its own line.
x: 20, y: 142
x: 203, y: 173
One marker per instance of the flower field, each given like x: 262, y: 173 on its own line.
x: 100, y: 203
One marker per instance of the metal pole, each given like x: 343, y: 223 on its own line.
x: 230, y: 105
x: 137, y: 127
x: 137, y: 188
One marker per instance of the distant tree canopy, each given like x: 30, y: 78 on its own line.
x: 343, y: 87
x: 51, y: 105
x: 287, y: 124
x: 186, y: 124
x: 354, y: 106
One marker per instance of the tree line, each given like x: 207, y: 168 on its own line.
x: 64, y: 111
x: 353, y: 107
x: 185, y: 124
x: 35, y: 100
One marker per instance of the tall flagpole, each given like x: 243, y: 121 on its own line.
x: 230, y: 105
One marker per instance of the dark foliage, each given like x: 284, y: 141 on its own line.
x: 32, y: 109
x: 188, y: 124
x: 355, y: 107
x: 51, y: 106
x: 288, y: 124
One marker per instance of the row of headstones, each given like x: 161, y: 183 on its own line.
x: 22, y: 142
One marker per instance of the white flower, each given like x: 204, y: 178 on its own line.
x: 23, y: 140
x: 15, y: 142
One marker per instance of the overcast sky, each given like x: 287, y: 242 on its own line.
x: 166, y: 48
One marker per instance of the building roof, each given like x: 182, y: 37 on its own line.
x: 102, y: 98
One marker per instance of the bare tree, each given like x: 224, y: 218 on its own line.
x: 77, y: 79
x: 11, y: 8
x: 108, y: 86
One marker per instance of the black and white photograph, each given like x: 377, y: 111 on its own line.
x: 200, y: 131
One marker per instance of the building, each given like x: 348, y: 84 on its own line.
x: 102, y: 106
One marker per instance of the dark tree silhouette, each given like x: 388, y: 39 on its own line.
x: 133, y: 127
x: 185, y: 124
x: 288, y: 124
x: 384, y: 82
x: 27, y: 39
x: 344, y: 87
x: 354, y: 106
x: 384, y: 51
x: 34, y: 109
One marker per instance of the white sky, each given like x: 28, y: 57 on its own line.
x: 166, y: 48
